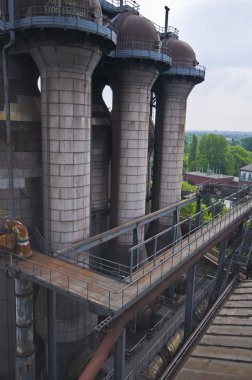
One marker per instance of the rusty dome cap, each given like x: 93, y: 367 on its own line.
x: 136, y: 29
x: 181, y: 52
x: 89, y: 5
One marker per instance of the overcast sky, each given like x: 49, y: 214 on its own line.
x: 220, y: 32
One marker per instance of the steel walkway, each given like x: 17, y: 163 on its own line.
x: 111, y: 295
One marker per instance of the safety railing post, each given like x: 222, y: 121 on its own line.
x: 131, y: 263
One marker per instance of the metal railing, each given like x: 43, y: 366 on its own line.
x: 115, y: 5
x: 35, y: 15
x: 99, y: 265
x: 148, y: 273
x: 144, y: 49
x: 130, y: 227
x: 205, y: 228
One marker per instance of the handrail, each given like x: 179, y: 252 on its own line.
x: 55, y: 11
x: 124, y: 228
x: 153, y: 271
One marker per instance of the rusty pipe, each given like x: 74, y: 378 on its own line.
x: 22, y: 236
x: 25, y: 354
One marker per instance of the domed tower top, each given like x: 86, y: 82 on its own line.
x: 136, y: 30
x: 81, y: 15
x: 184, y: 60
x: 181, y: 52
x: 137, y: 38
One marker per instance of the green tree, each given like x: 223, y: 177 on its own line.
x: 193, y: 153
x: 190, y: 210
x: 215, y: 152
x: 241, y: 157
x: 246, y: 143
x: 185, y: 163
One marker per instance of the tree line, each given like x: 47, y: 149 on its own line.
x: 214, y: 153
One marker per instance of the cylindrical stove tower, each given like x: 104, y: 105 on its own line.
x: 66, y: 40
x: 135, y: 68
x: 172, y: 90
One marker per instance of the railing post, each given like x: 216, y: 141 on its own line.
x: 131, y: 263
x: 198, y: 211
x: 155, y: 250
x: 136, y: 251
x: 175, y: 222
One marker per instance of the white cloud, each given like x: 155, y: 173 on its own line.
x: 220, y: 33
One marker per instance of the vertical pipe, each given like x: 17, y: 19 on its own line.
x: 52, y: 343
x: 7, y: 106
x: 120, y: 356
x: 166, y: 18
x: 25, y: 355
x: 121, y: 5
x: 190, y: 287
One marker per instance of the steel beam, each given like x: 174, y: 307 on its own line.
x: 190, y: 288
x: 52, y: 341
x: 119, y: 356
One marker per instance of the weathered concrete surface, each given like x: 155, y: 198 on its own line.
x: 131, y: 85
x: 26, y: 141
x: 66, y: 71
x: 66, y: 132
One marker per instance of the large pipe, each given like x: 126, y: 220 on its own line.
x: 7, y: 104
x: 166, y: 18
x: 25, y: 353
x: 22, y: 236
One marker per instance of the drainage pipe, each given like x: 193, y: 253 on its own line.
x: 7, y: 105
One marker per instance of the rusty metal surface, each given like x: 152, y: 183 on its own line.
x: 225, y: 350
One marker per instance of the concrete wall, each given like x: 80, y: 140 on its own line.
x: 26, y: 141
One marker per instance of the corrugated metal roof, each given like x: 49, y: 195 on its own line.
x: 225, y: 350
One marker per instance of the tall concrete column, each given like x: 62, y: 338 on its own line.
x: 66, y: 73
x: 130, y: 128
x: 66, y: 132
x: 169, y: 140
x: 171, y: 98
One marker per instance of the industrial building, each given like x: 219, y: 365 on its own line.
x: 96, y: 193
